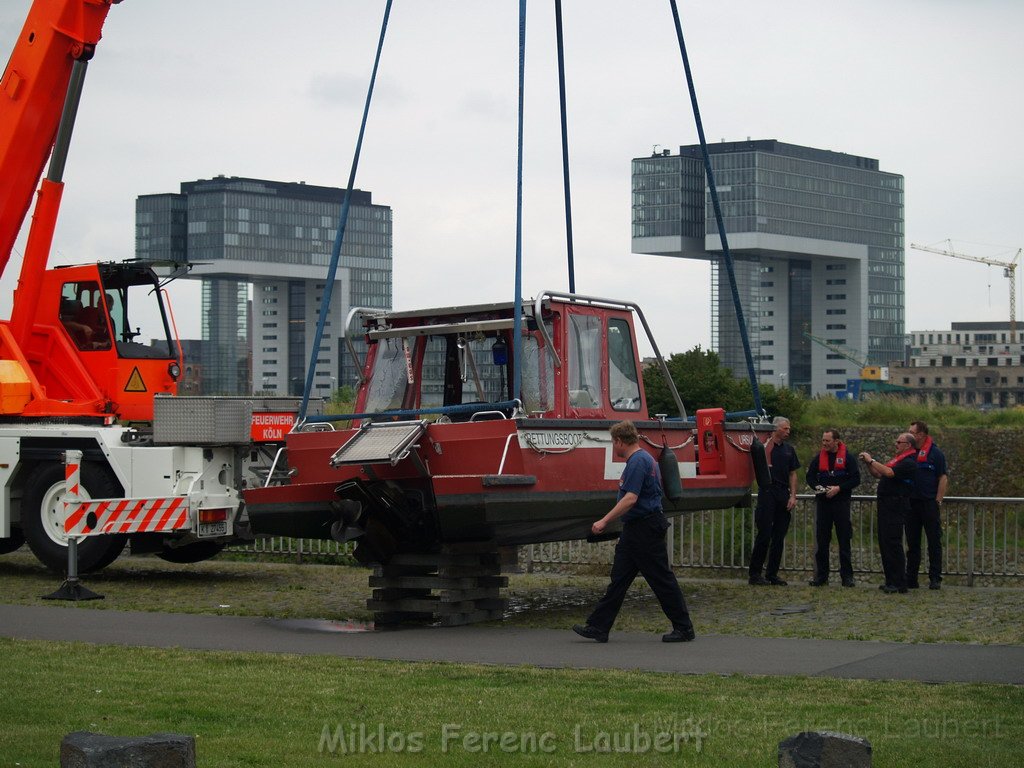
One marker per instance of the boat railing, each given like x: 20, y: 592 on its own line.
x: 515, y: 406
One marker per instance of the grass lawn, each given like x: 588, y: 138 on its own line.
x: 731, y: 607
x: 275, y: 710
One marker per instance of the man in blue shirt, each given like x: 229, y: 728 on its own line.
x: 641, y: 548
x: 926, y: 508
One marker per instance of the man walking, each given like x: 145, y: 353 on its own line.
x: 774, y: 506
x: 641, y: 547
x: 926, y: 508
x: 895, y: 484
x: 832, y: 475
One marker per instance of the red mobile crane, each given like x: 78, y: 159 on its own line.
x: 73, y: 371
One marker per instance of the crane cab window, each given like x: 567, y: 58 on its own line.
x: 84, y: 316
x: 140, y: 327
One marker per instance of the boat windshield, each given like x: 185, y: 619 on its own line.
x: 457, y: 370
x: 390, y: 379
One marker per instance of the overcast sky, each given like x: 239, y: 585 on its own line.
x: 187, y: 89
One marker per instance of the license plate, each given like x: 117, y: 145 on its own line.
x: 213, y: 529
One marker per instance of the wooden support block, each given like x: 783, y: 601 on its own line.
x: 483, y: 593
x: 465, y: 547
x: 399, y: 594
x: 438, y: 582
x: 426, y: 605
x: 466, y: 571
x: 434, y: 559
x: 460, y: 584
x: 459, y: 619
x: 397, y: 617
x: 404, y: 570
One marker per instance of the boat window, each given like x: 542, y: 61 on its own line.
x: 390, y: 377
x: 483, y: 381
x: 538, y: 381
x: 467, y: 364
x: 584, y: 363
x: 432, y: 373
x: 623, y: 383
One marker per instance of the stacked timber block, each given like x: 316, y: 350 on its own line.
x: 458, y: 584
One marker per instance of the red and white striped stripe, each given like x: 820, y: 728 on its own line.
x: 105, y: 516
x: 127, y: 516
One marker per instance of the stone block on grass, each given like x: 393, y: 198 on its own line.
x: 824, y: 749
x: 83, y: 749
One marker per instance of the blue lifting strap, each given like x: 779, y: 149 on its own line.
x: 339, y: 237
x: 727, y: 257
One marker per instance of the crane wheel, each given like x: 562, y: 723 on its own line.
x: 42, y: 517
x: 12, y: 543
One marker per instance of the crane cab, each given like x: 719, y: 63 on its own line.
x: 87, y: 353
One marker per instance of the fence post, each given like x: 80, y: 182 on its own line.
x: 970, y: 546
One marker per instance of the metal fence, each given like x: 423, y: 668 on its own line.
x: 981, y: 539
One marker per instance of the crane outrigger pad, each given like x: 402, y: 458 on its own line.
x: 380, y: 443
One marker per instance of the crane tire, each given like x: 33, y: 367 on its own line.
x: 42, y: 517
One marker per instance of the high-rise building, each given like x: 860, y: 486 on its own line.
x: 261, y: 249
x: 817, y: 241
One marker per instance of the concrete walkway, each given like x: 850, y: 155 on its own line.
x: 718, y: 654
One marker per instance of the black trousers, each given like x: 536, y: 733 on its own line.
x: 924, y: 513
x: 892, y: 515
x: 771, y: 518
x: 832, y: 512
x: 641, y: 549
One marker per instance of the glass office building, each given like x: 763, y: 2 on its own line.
x: 261, y: 249
x: 817, y: 239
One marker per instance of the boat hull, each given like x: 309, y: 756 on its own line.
x: 512, y: 481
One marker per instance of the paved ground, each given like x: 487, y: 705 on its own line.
x: 932, y: 662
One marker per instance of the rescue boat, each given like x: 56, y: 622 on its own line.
x: 452, y: 442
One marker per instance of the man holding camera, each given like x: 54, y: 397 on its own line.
x: 832, y: 475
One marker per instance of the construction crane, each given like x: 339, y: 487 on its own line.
x: 1009, y: 271
x: 855, y: 356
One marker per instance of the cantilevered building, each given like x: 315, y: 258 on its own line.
x: 261, y: 249
x: 817, y: 239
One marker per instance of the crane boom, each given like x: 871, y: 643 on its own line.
x: 57, y: 33
x: 854, y: 356
x: 1009, y: 271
